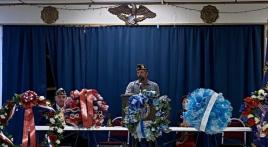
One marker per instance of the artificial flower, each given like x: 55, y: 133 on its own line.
x: 27, y: 100
x: 52, y: 120
x: 257, y: 120
x: 41, y: 98
x: 252, y: 114
x: 135, y: 116
x: 251, y: 122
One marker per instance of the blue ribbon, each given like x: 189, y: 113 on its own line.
x: 140, y: 130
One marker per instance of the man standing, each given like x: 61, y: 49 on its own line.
x: 142, y: 83
x: 136, y: 87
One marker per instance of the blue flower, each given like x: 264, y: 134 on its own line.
x: 219, y: 116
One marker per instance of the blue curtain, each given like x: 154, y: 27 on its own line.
x: 227, y: 59
x: 180, y: 59
x: 24, y: 68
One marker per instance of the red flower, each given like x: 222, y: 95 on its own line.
x: 245, y: 113
x: 251, y: 122
x: 247, y: 99
x: 247, y: 110
x: 28, y: 99
x: 251, y: 102
x: 52, y: 138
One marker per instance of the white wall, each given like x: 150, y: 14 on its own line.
x: 166, y: 14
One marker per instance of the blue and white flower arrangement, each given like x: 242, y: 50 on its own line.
x: 138, y: 109
x: 207, y: 111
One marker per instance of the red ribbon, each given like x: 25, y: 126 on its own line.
x: 29, y: 99
x: 29, y: 128
x: 86, y: 103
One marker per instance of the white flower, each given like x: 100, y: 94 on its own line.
x: 106, y: 107
x: 41, y: 98
x: 51, y: 128
x: 94, y: 98
x: 60, y: 130
x: 250, y: 116
x: 52, y: 120
x: 95, y: 107
x: 262, y: 134
x: 56, y: 116
x: 261, y: 97
x: 100, y: 97
x: 257, y: 120
x: 261, y: 92
x: 99, y: 103
x: 2, y: 116
x: 1, y: 127
x: 57, y: 141
x: 265, y: 127
x: 12, y: 139
x: 47, y: 102
x: 254, y: 96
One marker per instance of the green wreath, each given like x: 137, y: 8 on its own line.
x: 6, y: 139
x: 138, y: 109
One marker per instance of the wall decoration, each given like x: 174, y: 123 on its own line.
x: 209, y: 14
x: 49, y: 14
x: 130, y: 14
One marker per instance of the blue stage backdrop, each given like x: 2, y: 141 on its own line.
x: 227, y: 59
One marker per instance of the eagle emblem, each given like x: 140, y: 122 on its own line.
x: 130, y: 14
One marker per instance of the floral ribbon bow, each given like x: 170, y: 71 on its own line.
x: 28, y: 100
x: 87, y: 99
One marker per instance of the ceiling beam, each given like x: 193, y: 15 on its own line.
x: 141, y: 2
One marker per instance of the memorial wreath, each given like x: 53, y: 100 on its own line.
x: 139, y: 108
x: 254, y: 111
x: 26, y: 100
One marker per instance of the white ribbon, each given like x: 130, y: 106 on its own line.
x: 207, y: 112
x: 2, y: 136
x: 12, y: 112
x: 47, y: 107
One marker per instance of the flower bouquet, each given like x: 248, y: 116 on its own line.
x: 253, y: 114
